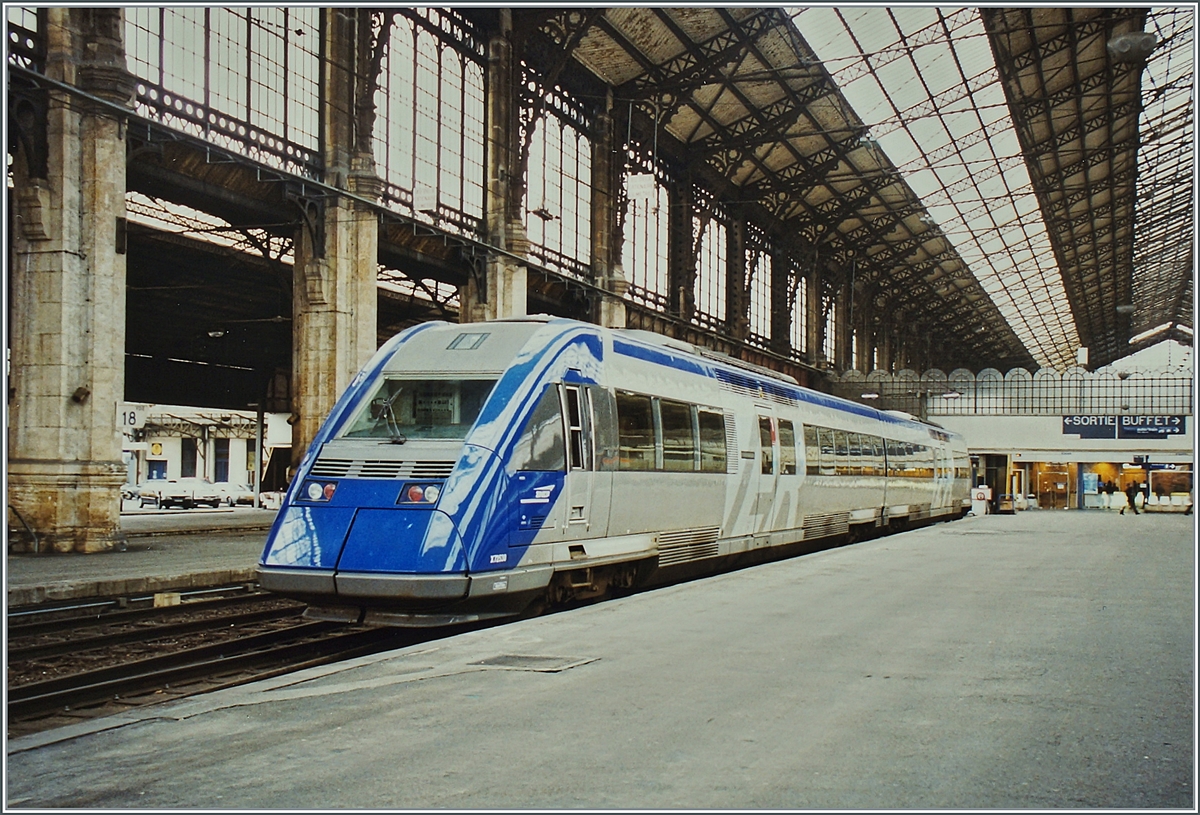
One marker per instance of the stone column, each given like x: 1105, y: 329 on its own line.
x: 334, y: 292
x: 68, y: 298
x: 504, y: 292
x: 606, y: 253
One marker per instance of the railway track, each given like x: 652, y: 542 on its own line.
x: 63, y: 671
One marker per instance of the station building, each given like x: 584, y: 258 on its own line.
x: 178, y: 441
x: 1055, y: 441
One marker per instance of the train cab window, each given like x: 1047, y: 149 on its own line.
x: 578, y: 449
x: 635, y: 432
x: 712, y: 442
x: 812, y: 451
x: 787, y: 448
x: 678, y: 436
x: 766, y: 442
x: 542, y: 445
x: 403, y: 409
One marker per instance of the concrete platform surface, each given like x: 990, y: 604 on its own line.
x: 1040, y: 660
x: 167, y: 550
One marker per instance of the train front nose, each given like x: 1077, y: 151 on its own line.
x: 413, y: 557
x: 349, y: 555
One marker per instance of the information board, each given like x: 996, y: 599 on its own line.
x: 1124, y: 427
x: 1151, y: 427
x: 1090, y: 427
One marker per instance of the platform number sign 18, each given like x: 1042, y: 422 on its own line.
x: 131, y: 416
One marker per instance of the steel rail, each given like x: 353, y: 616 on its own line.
x: 92, y: 643
x: 97, y: 618
x: 207, y: 660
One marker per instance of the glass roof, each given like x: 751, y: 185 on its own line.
x: 1162, y: 254
x: 925, y: 82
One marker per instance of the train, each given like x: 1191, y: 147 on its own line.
x: 477, y: 471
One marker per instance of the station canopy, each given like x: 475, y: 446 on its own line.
x: 1020, y: 181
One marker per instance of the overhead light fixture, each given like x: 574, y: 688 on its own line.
x: 1135, y: 46
x: 951, y: 395
x: 216, y: 333
x: 1145, y: 335
x: 1124, y: 309
x: 870, y: 396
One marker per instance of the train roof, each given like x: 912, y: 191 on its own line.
x: 496, y: 342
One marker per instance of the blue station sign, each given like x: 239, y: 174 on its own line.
x: 1124, y: 427
x: 1151, y: 427
x: 1090, y: 427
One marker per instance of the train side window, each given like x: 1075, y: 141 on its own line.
x: 787, y: 448
x: 875, y: 453
x: 712, y: 442
x: 854, y: 447
x: 679, y: 443
x: 635, y: 432
x: 578, y: 448
x: 604, y: 427
x: 842, y: 451
x: 812, y: 451
x: 542, y: 445
x: 766, y: 442
x: 828, y: 461
x: 894, y: 468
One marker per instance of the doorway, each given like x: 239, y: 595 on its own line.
x: 1054, y: 489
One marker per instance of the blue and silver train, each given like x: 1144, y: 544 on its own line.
x: 473, y: 471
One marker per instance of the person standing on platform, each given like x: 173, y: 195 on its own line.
x: 1112, y: 491
x: 1131, y: 494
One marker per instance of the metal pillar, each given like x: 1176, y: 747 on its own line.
x: 842, y: 330
x: 814, y: 325
x: 781, y: 314
x: 504, y: 291
x: 737, y: 296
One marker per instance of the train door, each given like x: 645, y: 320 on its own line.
x: 587, y: 492
x: 768, y: 475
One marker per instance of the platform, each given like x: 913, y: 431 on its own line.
x: 166, y: 550
x: 1038, y: 660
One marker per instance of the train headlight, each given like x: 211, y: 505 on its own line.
x: 317, y: 491
x: 420, y: 494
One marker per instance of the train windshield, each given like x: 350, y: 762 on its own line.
x: 402, y: 409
